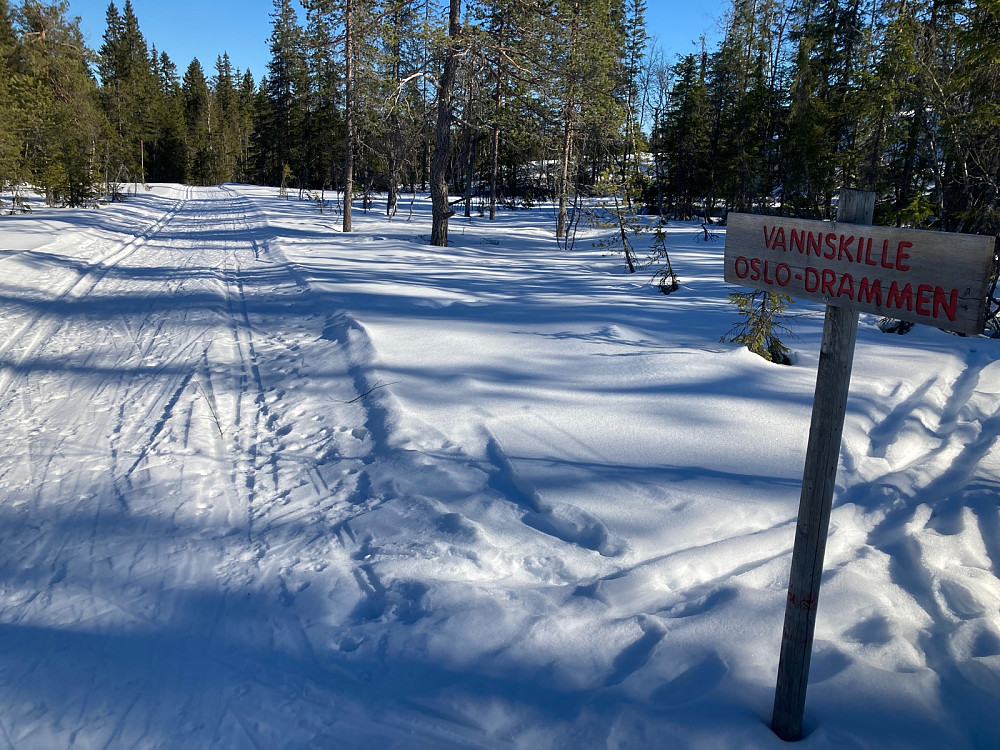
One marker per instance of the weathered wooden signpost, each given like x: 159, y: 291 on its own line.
x: 926, y: 277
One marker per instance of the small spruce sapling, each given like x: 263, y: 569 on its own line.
x: 763, y: 315
x: 286, y: 178
x: 665, y: 278
x: 612, y: 210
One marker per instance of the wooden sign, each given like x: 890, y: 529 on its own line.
x: 927, y: 277
x: 935, y: 278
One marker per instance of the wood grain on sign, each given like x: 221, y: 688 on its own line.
x: 935, y: 278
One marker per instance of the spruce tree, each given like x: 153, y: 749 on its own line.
x: 198, y: 122
x: 128, y: 93
x: 324, y: 126
x: 763, y: 324
x: 224, y: 143
x: 166, y: 154
x: 246, y: 99
x: 743, y: 81
x: 684, y: 137
x: 282, y: 132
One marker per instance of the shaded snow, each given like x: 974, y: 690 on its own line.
x: 270, y: 485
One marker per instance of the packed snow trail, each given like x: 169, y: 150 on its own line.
x: 269, y: 485
x: 166, y: 474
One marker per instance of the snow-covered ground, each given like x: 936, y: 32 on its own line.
x: 268, y: 485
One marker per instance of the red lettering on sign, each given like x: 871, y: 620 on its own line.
x: 797, y: 241
x: 769, y: 237
x: 885, y: 255
x: 861, y: 248
x: 868, y: 254
x: 901, y: 256
x: 812, y: 280
x: 814, y: 244
x: 779, y: 239
x: 846, y: 288
x: 845, y: 250
x: 950, y: 306
x: 742, y: 267
x: 831, y: 242
x: 870, y: 291
x: 925, y: 295
x: 783, y: 274
x: 899, y: 298
x: 767, y: 273
x: 826, y: 285
x: 882, y: 270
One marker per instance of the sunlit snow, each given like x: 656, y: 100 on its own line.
x: 269, y: 485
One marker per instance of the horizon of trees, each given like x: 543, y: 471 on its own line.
x: 503, y: 102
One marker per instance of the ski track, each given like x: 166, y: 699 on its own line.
x: 157, y: 544
x: 234, y: 518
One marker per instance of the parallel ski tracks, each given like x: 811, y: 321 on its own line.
x: 41, y: 325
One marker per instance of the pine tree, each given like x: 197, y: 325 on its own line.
x: 397, y: 57
x: 61, y: 124
x: 440, y: 208
x: 588, y: 39
x: 515, y: 65
x: 11, y: 164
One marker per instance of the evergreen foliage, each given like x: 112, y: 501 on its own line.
x: 57, y: 121
x: 762, y: 324
x: 509, y: 101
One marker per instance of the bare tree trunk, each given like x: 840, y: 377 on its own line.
x: 395, y: 144
x: 393, y: 197
x: 470, y: 171
x: 440, y: 210
x: 494, y: 171
x: 495, y: 149
x: 348, y: 114
x: 567, y: 154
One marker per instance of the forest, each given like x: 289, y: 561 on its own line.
x: 495, y: 103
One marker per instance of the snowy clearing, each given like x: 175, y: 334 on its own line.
x: 269, y: 485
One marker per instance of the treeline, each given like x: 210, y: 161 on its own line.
x: 901, y: 97
x: 77, y: 123
x: 503, y: 97
x: 504, y: 101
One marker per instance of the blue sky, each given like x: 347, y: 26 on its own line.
x: 186, y: 29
